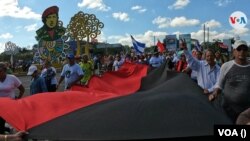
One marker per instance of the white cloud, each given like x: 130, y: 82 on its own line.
x: 220, y: 36
x: 101, y: 37
x: 199, y: 35
x: 31, y: 27
x: 164, y: 22
x: 2, y: 47
x: 183, y: 21
x: 142, y: 10
x: 6, y: 36
x: 121, y: 16
x: 138, y: 9
x: 240, y: 31
x: 115, y: 37
x: 94, y: 4
x: 147, y: 38
x: 223, y: 2
x: 177, y: 33
x: 10, y: 8
x: 179, y: 4
x: 212, y: 24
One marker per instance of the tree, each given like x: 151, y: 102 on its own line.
x: 83, y: 25
x: 11, y: 49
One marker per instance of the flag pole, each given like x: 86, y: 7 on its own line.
x: 207, y: 34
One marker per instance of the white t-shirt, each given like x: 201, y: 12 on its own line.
x: 8, y: 86
x: 71, y: 73
x: 117, y: 64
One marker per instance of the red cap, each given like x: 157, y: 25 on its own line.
x: 50, y: 10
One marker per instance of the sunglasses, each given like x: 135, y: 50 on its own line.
x: 242, y: 48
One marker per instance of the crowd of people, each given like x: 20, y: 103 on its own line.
x: 208, y: 69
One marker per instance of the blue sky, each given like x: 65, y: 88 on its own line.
x: 144, y: 19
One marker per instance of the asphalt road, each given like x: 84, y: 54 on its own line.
x: 26, y: 83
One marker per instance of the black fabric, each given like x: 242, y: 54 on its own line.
x: 51, y: 88
x: 2, y: 126
x: 168, y: 105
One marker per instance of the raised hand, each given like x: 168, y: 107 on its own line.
x: 183, y: 44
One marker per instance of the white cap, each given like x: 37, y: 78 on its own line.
x: 238, y: 43
x: 32, y: 69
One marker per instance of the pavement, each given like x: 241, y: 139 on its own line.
x: 26, y: 83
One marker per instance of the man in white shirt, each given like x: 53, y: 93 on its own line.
x: 207, y: 70
x: 155, y: 61
x: 72, y: 73
x: 235, y: 82
x: 118, y: 62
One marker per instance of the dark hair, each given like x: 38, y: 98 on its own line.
x: 199, y: 52
x: 210, y: 50
x: 3, y: 67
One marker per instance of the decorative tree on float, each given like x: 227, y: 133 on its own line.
x: 51, y: 43
x: 83, y: 25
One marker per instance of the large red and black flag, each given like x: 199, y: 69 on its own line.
x: 128, y: 104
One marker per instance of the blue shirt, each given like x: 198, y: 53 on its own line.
x: 206, y: 76
x: 38, y: 85
x: 155, y: 61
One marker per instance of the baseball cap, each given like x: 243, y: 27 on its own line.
x: 50, y: 10
x: 31, y: 70
x: 239, y: 43
x: 71, y: 56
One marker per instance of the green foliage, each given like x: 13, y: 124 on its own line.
x: 23, y: 54
x: 108, y: 50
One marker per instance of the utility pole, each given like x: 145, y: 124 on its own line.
x: 106, y: 49
x: 204, y: 33
x: 207, y: 34
x: 154, y: 40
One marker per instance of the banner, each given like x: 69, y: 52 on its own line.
x: 171, y: 42
x: 187, y: 38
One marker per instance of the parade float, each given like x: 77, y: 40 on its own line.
x: 56, y: 41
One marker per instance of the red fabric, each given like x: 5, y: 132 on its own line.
x: 160, y: 46
x: 221, y: 45
x: 31, y: 111
x: 180, y: 66
x: 51, y: 33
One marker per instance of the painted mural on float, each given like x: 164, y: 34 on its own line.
x: 51, y: 38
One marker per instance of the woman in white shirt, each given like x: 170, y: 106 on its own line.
x: 8, y: 84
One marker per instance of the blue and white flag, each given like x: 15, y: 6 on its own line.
x: 139, y: 47
x: 198, y: 46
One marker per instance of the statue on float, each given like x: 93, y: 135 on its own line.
x: 51, y: 39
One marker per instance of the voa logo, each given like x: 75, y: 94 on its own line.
x: 238, y: 20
